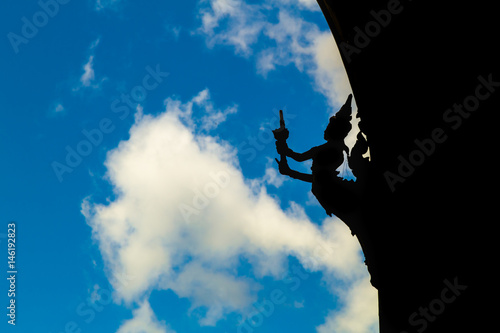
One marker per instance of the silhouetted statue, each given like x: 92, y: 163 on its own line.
x: 337, y: 195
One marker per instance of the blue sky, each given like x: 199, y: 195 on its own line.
x: 138, y: 166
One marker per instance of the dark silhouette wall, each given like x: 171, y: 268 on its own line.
x: 426, y: 79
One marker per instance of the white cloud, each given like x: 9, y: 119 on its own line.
x: 358, y: 314
x: 87, y: 79
x: 144, y: 321
x: 59, y: 108
x: 210, y: 117
x: 231, y: 22
x: 272, y: 176
x: 184, y: 216
x: 328, y: 71
x: 213, y: 117
x: 291, y: 36
x: 94, y: 44
x: 221, y: 292
x: 88, y: 75
x: 290, y: 39
x: 56, y: 108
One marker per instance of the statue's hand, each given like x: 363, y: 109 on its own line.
x: 282, y: 147
x: 283, y: 166
x: 281, y: 134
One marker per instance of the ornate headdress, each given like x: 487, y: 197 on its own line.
x: 345, y: 111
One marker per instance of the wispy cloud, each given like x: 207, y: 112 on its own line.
x: 231, y: 22
x: 173, y: 30
x: 59, y: 108
x: 88, y: 75
x: 144, y: 321
x: 56, y: 109
x: 271, y: 176
x: 100, y: 5
x: 200, y: 113
x: 275, y: 34
x: 88, y: 78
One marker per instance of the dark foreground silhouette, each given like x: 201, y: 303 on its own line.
x: 426, y: 78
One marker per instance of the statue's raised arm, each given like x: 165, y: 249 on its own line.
x: 281, y: 134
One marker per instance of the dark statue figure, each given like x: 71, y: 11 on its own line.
x: 431, y: 235
x: 335, y: 194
